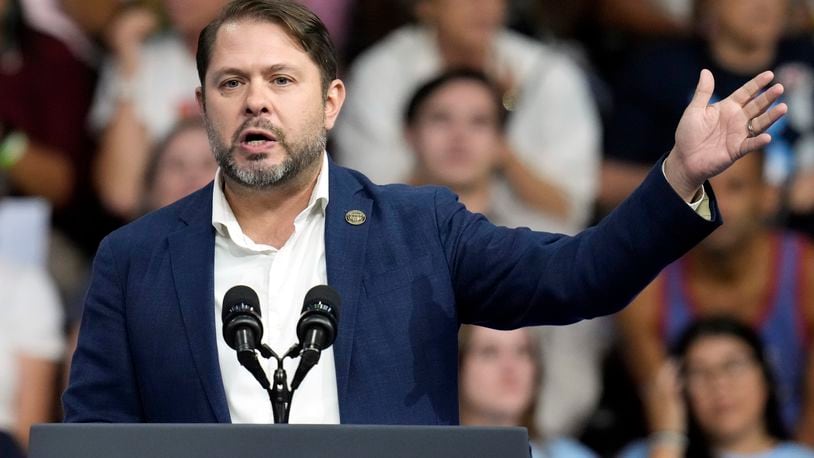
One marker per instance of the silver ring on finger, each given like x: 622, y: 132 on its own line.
x: 752, y: 131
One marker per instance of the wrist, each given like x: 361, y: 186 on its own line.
x: 672, y: 439
x: 12, y: 148
x: 687, y: 189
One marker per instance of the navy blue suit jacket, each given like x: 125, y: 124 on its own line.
x: 418, y: 267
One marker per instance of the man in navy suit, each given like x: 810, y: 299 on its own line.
x: 410, y: 264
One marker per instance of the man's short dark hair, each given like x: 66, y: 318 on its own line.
x: 300, y: 23
x: 429, y: 88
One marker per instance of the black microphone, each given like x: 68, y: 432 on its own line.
x: 316, y: 329
x: 242, y: 328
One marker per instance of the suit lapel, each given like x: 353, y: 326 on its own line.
x: 192, y: 255
x: 345, y: 246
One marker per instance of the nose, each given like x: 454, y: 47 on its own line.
x: 257, y: 101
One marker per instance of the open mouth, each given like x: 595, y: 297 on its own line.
x: 253, y: 137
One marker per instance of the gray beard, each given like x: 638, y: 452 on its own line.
x: 300, y: 156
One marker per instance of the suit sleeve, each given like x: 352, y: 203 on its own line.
x: 507, y: 278
x: 102, y: 385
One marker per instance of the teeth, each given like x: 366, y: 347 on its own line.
x: 255, y: 142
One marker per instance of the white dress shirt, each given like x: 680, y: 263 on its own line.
x: 281, y: 278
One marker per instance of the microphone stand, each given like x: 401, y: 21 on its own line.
x: 279, y: 393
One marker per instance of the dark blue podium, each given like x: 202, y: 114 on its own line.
x: 288, y: 441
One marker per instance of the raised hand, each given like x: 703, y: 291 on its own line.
x: 710, y: 138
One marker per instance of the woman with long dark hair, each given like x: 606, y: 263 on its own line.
x: 717, y: 399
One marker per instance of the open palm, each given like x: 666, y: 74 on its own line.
x: 710, y: 138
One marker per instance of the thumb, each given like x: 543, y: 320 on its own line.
x: 703, y: 91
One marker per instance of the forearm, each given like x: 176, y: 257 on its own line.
x: 617, y: 181
x: 121, y: 162
x: 535, y: 191
x: 42, y: 171
x: 35, y: 397
x: 552, y: 279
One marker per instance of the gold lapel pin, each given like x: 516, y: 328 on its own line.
x: 355, y: 217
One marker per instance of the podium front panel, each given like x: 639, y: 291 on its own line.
x: 289, y: 441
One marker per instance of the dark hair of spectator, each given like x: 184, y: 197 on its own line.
x: 301, y: 24
x: 428, y: 89
x: 699, y: 446
x: 527, y: 420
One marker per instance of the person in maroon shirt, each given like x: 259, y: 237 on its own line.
x: 45, y: 93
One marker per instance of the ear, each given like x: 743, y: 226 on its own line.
x: 199, y: 97
x: 334, y: 98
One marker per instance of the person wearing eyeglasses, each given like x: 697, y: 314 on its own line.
x: 717, y: 398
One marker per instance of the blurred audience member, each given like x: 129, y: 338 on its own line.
x: 181, y: 164
x: 550, y: 158
x: 31, y: 346
x: 719, y: 401
x: 744, y: 270
x: 500, y: 374
x: 42, y: 114
x: 738, y: 38
x: 146, y: 87
x: 455, y: 129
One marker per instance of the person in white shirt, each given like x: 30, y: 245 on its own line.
x: 31, y: 347
x: 552, y: 132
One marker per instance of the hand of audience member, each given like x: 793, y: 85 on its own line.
x: 126, y: 34
x: 710, y: 138
x: 665, y: 406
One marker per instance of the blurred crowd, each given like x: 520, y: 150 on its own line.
x: 537, y: 113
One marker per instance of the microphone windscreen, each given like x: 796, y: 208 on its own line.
x: 324, y: 294
x: 240, y: 296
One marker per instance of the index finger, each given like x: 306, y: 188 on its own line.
x: 748, y: 91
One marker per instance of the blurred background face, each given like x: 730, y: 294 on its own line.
x: 725, y: 386
x: 456, y: 134
x: 751, y: 23
x: 185, y: 166
x: 742, y: 198
x: 191, y: 16
x: 498, y: 373
x: 467, y: 23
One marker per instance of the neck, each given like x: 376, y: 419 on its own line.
x: 455, y: 54
x: 732, y: 264
x: 267, y: 215
x: 740, y: 57
x: 755, y: 440
x: 472, y: 418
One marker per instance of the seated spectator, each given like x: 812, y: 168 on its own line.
x: 145, y: 88
x: 31, y: 347
x: 744, y: 270
x: 550, y: 159
x: 182, y: 163
x: 719, y: 400
x: 454, y: 126
x: 654, y: 87
x: 500, y: 374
